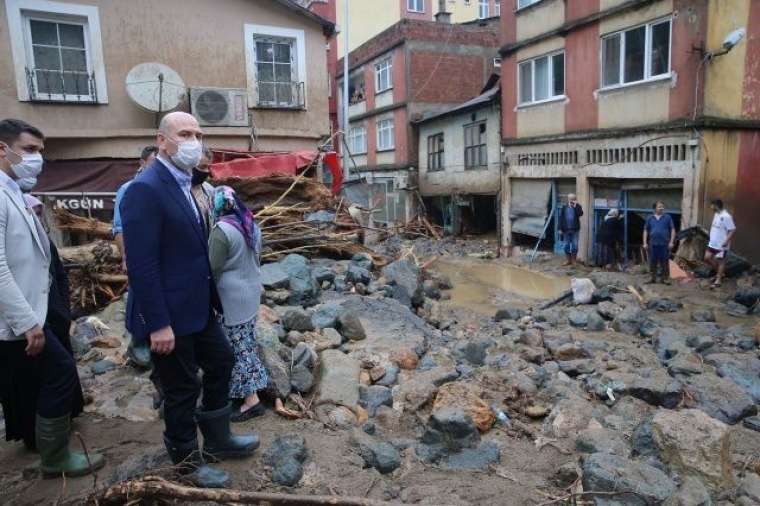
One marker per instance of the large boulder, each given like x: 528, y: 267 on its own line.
x: 451, y: 428
x: 372, y: 397
x: 325, y: 315
x: 720, y: 398
x: 743, y: 369
x: 382, y: 456
x: 629, y: 320
x: 747, y: 296
x: 645, y: 484
x: 297, y: 319
x: 273, y: 277
x: 351, y: 325
x: 339, y: 379
x: 694, y: 444
x: 304, y: 288
x: 278, y: 373
x: 286, y: 457
x: 421, y: 388
x: 468, y: 398
x: 406, y: 278
x: 356, y: 274
x: 652, y: 385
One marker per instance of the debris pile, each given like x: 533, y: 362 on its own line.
x: 295, y: 214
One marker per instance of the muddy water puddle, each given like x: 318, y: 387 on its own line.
x: 484, y: 286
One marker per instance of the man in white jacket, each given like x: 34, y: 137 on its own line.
x: 35, y: 369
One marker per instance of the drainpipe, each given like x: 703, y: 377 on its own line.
x: 346, y: 155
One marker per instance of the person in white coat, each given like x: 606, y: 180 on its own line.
x: 28, y: 349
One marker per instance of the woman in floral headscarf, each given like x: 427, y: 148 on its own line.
x: 234, y: 252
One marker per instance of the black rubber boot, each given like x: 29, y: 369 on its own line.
x: 219, y: 442
x: 189, y: 461
x: 52, y: 435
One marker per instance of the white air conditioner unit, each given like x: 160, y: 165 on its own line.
x: 219, y: 106
x: 401, y: 182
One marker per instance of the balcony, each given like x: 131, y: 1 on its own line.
x: 64, y: 86
x: 281, y: 95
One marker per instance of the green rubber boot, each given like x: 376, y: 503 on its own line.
x: 52, y: 436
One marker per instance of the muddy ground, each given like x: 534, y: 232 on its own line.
x: 538, y: 369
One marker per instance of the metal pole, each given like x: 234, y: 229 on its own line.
x: 345, y: 91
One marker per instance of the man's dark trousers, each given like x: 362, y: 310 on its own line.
x: 178, y: 371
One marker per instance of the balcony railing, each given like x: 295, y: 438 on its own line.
x: 61, y: 86
x: 281, y: 95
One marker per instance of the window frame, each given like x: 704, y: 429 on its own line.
x: 19, y: 12
x: 648, y: 77
x: 530, y: 3
x: 294, y: 97
x: 353, y: 136
x: 388, y: 62
x: 483, y: 7
x: 250, y: 33
x: 415, y: 2
x: 379, y: 130
x: 550, y: 81
x: 497, y: 8
x: 437, y: 154
x: 483, y: 144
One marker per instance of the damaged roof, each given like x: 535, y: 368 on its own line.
x: 488, y: 96
x: 293, y: 5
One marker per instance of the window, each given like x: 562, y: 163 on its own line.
x: 542, y: 78
x: 275, y: 71
x: 497, y: 8
x: 356, y: 92
x: 475, y: 148
x: 525, y: 3
x: 57, y: 51
x: 275, y: 66
x: 385, y: 134
x: 357, y: 140
x: 483, y: 9
x: 637, y: 54
x: 415, y: 5
x: 435, y: 152
x: 383, y: 75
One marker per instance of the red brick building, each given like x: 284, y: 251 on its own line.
x: 411, y: 69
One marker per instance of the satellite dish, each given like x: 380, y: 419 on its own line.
x: 155, y: 87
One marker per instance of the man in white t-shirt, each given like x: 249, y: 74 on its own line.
x: 721, y: 234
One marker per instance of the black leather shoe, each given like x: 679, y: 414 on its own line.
x: 139, y: 354
x: 219, y: 442
x: 190, y: 464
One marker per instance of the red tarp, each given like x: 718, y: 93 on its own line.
x: 264, y: 165
x: 260, y: 165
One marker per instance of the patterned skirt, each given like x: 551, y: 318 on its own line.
x: 249, y: 374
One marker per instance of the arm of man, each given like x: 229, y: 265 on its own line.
x: 578, y: 210
x: 731, y: 229
x: 61, y: 278
x: 13, y: 305
x: 645, y: 235
x: 142, y: 219
x: 672, y: 234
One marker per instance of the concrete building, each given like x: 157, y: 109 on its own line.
x: 625, y: 102
x: 411, y: 69
x: 370, y: 17
x: 460, y: 163
x: 66, y: 62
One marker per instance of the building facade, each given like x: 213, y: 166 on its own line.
x: 411, y: 69
x: 460, y: 163
x: 625, y: 102
x: 367, y: 18
x: 66, y: 64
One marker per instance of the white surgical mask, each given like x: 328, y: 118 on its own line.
x: 30, y: 166
x: 188, y: 154
x: 26, y: 183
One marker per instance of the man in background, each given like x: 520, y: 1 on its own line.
x: 659, y: 238
x: 570, y: 227
x: 722, y: 233
x: 138, y: 351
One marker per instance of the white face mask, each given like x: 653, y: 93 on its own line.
x: 30, y: 166
x: 188, y: 154
x: 27, y: 183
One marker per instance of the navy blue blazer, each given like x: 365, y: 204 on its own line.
x: 170, y: 282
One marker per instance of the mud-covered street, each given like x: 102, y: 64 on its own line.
x: 449, y: 385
